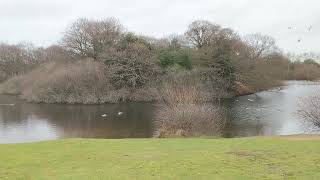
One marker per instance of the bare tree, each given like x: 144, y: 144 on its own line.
x: 16, y: 59
x: 260, y: 45
x: 176, y: 41
x: 310, y: 109
x: 88, y: 38
x: 201, y: 33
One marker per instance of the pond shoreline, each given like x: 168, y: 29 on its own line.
x: 266, y: 113
x: 241, y: 91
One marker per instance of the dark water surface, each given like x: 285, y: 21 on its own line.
x: 264, y: 113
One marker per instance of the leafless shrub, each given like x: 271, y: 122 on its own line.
x: 182, y: 88
x: 262, y: 76
x: 61, y: 82
x: 310, y: 109
x: 186, y: 111
x: 80, y: 82
x: 189, y: 120
x: 70, y: 82
x: 17, y: 84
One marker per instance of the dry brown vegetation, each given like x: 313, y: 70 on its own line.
x: 72, y: 83
x: 303, y: 71
x: 186, y: 109
x: 83, y: 82
x: 263, y: 75
x: 189, y: 120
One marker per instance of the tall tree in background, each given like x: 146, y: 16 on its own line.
x: 202, y: 33
x: 88, y: 38
x: 260, y: 45
x: 131, y: 64
x: 17, y: 59
x: 216, y: 49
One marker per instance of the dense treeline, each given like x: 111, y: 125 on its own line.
x: 98, y: 61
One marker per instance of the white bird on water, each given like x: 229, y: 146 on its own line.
x: 7, y: 104
x: 104, y: 115
x: 120, y: 113
x: 250, y: 100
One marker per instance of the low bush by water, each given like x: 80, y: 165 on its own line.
x: 187, y: 110
x: 82, y: 82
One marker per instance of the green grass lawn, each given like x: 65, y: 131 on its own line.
x: 247, y: 158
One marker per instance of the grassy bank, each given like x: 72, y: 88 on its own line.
x: 247, y: 158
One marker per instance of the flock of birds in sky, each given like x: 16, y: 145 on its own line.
x: 309, y: 29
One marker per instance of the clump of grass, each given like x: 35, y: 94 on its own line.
x: 186, y: 111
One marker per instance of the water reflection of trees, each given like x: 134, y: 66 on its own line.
x: 12, y: 115
x: 258, y: 117
x: 86, y: 121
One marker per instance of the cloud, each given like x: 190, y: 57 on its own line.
x: 43, y: 21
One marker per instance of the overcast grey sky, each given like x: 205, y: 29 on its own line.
x: 43, y: 21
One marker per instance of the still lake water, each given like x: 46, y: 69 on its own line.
x: 262, y: 114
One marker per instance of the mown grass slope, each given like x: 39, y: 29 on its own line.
x: 247, y: 158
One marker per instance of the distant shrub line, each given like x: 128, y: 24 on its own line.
x: 97, y: 61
